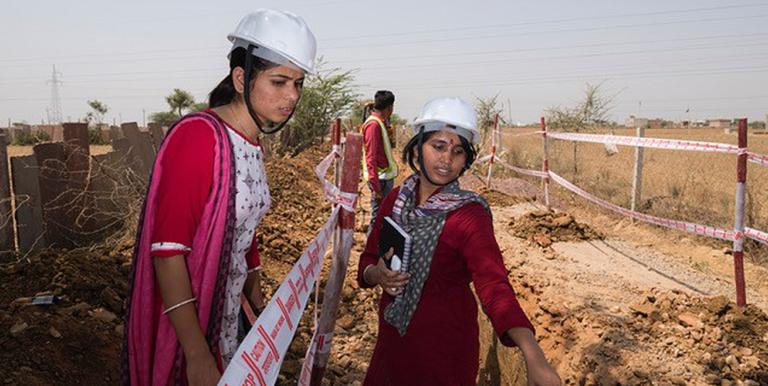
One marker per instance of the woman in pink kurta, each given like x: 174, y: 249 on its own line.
x: 428, y: 331
x: 195, y: 258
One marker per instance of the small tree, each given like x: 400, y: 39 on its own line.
x: 328, y: 94
x: 486, y: 110
x: 199, y: 107
x: 596, y: 106
x: 26, y: 138
x: 99, y: 111
x: 163, y: 118
x: 180, y: 100
x: 397, y: 120
x: 591, y: 112
x: 356, y: 112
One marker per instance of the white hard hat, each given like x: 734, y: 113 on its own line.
x: 280, y: 37
x: 449, y: 113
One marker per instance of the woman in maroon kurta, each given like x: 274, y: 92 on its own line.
x: 432, y: 339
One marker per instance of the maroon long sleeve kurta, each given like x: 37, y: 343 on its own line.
x: 441, y: 345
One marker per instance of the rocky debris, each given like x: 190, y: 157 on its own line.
x: 54, y: 333
x: 664, y: 338
x: 543, y: 228
x: 18, y: 328
x: 103, y: 315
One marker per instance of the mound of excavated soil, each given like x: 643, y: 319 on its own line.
x: 78, y: 340
x: 543, y: 228
x: 664, y: 338
x: 680, y: 339
x: 497, y: 198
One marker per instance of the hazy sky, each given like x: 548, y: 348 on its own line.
x: 656, y: 57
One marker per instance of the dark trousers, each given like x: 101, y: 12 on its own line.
x: 386, y: 187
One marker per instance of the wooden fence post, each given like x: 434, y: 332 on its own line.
x: 637, y: 180
x: 29, y: 210
x: 493, y: 150
x: 545, y: 163
x: 350, y: 178
x: 53, y: 181
x: 7, y: 237
x: 741, y: 188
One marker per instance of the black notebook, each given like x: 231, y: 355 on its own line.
x: 393, y: 236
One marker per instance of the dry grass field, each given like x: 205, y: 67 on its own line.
x: 684, y: 185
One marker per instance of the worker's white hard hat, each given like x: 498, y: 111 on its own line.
x: 448, y: 113
x: 280, y: 37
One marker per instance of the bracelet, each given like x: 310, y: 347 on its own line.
x: 177, y: 305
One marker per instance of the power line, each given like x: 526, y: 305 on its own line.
x: 443, y: 65
x: 581, y: 77
x: 357, y: 37
x: 551, y: 48
x: 517, y: 34
x: 507, y: 82
x: 552, y: 21
x: 538, y: 59
x: 441, y: 55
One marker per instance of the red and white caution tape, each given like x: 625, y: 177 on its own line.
x: 527, y: 172
x: 320, y: 346
x: 756, y: 235
x: 524, y: 134
x: 319, y: 343
x: 331, y: 191
x: 258, y: 359
x: 703, y: 230
x: 484, y: 159
x: 758, y: 159
x: 657, y: 143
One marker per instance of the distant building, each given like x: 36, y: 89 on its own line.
x: 656, y: 123
x: 634, y: 121
x: 720, y: 123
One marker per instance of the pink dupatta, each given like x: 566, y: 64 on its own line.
x: 152, y: 353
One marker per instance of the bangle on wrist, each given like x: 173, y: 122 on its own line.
x: 177, y: 305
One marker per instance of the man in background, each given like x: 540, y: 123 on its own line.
x: 380, y: 168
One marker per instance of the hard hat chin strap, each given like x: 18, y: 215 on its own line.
x: 247, y: 96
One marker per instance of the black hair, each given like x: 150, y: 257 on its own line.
x: 225, y: 92
x: 422, y: 137
x: 383, y: 99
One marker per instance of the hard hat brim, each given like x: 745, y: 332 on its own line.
x: 241, y: 41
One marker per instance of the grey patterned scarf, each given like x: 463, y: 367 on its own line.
x: 424, y: 224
